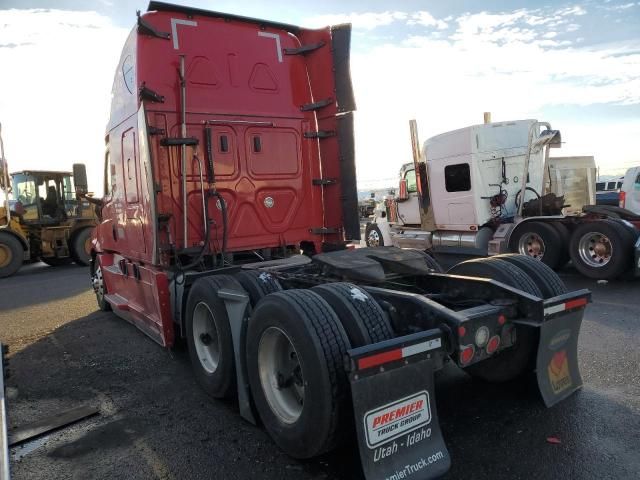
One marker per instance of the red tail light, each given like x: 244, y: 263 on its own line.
x: 623, y: 199
x: 493, y: 344
x: 466, y: 354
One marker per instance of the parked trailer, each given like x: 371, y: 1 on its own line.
x: 229, y: 151
x: 492, y: 188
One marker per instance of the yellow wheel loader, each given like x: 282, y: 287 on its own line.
x: 42, y: 218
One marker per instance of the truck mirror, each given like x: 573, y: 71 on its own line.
x: 404, y: 194
x: 80, y: 177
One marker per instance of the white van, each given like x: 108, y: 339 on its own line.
x: 630, y: 191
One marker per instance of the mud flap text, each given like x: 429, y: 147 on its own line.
x: 397, y: 424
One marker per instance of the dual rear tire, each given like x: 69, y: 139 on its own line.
x: 602, y: 249
x: 296, y: 342
x: 599, y: 249
x: 545, y: 242
x: 526, y: 274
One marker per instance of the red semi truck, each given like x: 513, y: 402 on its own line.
x: 230, y: 194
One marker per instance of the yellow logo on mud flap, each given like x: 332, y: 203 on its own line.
x: 558, y: 369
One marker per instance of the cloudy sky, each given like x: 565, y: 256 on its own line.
x: 575, y: 64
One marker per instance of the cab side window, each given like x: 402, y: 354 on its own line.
x: 457, y: 178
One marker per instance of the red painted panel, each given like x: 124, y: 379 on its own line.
x: 241, y: 83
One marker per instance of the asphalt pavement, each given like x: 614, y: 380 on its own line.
x: 155, y: 422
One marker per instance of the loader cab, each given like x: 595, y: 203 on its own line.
x: 44, y: 197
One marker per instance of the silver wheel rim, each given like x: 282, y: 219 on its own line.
x: 595, y: 249
x: 281, y: 375
x: 98, y: 284
x: 532, y: 245
x: 373, y: 239
x: 206, y: 338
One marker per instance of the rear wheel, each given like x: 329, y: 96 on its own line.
x: 257, y: 284
x: 209, y: 336
x: 545, y: 278
x: 373, y: 236
x: 431, y: 262
x: 11, y: 254
x: 81, y: 247
x: 538, y: 240
x: 515, y: 361
x: 100, y: 289
x: 497, y: 269
x: 295, y: 351
x: 362, y: 318
x: 601, y: 249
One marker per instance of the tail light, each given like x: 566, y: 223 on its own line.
x: 466, y: 354
x: 493, y: 344
x: 623, y: 199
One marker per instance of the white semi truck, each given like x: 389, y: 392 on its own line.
x: 492, y: 188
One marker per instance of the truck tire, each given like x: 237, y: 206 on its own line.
x: 100, y: 289
x: 209, y: 336
x: 295, y: 351
x: 538, y: 240
x: 431, y: 262
x: 601, y: 249
x: 500, y: 270
x: 517, y: 360
x: 373, y: 236
x: 362, y: 318
x: 550, y: 284
x: 81, y: 247
x: 257, y: 284
x: 11, y: 254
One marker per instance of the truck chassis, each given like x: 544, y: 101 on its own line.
x: 294, y: 338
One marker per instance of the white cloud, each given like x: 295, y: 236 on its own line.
x: 492, y: 62
x: 625, y: 6
x: 57, y: 71
x: 424, y: 18
x: 372, y: 20
x: 575, y: 10
x: 366, y: 21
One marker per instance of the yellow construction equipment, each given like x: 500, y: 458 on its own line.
x: 42, y: 218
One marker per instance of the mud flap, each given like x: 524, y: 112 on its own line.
x: 396, y: 420
x: 557, y: 361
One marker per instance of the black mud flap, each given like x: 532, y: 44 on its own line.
x: 557, y: 366
x: 394, y: 407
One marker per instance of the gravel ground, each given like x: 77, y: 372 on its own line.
x: 155, y: 422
